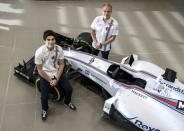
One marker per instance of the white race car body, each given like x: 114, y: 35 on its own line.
x: 158, y: 105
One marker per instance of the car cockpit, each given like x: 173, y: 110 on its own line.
x: 115, y: 72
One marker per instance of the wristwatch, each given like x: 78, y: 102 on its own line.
x: 54, y: 78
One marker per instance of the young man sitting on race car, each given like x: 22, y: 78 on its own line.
x: 49, y: 60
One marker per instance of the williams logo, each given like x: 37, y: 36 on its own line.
x: 180, y: 105
x: 142, y: 125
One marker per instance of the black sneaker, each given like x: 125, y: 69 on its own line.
x: 44, y: 115
x: 71, y: 106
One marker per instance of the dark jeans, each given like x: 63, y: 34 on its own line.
x: 105, y: 54
x: 63, y: 83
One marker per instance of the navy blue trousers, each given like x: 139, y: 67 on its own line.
x: 65, y: 86
x: 105, y: 54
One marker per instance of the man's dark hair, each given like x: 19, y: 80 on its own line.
x: 48, y: 33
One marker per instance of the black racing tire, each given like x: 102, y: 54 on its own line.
x: 85, y: 40
x: 54, y: 93
x: 85, y: 36
x: 37, y: 84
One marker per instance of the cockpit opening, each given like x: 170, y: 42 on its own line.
x: 115, y: 72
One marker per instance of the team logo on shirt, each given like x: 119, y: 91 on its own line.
x: 52, y: 57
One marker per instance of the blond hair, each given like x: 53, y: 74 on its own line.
x: 107, y: 4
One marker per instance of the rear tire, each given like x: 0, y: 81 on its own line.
x: 85, y: 36
x: 85, y: 41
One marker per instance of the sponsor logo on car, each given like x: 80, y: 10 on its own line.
x: 22, y: 74
x: 178, y: 89
x: 139, y: 94
x: 158, y: 89
x: 164, y: 91
x: 97, y: 78
x: 142, y: 125
x: 180, y: 105
x: 92, y: 60
x: 87, y: 72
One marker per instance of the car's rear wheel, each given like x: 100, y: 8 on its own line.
x: 84, y: 42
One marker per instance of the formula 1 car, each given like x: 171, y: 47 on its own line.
x: 137, y: 92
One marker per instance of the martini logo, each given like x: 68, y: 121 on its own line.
x: 180, y: 105
x: 142, y: 125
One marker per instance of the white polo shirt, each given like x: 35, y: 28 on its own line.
x: 101, y: 28
x: 46, y: 58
